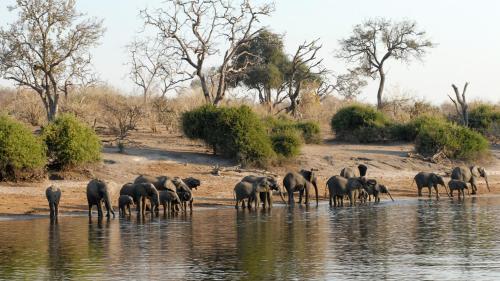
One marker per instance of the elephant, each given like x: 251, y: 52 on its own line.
x: 53, y: 195
x: 375, y: 189
x: 458, y: 185
x: 339, y: 187
x: 363, y: 196
x: 429, y: 180
x: 97, y: 192
x: 124, y: 202
x: 160, y: 183
x: 247, y: 190
x: 266, y: 197
x: 348, y: 172
x: 192, y: 183
x: 294, y: 182
x: 184, y: 193
x: 169, y: 200
x: 470, y: 175
x: 140, y: 192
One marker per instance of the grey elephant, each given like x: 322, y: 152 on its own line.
x: 124, y: 203
x: 140, y: 192
x: 470, y: 175
x: 160, y: 183
x: 192, y: 183
x: 53, y: 195
x: 250, y: 191
x: 375, y: 189
x: 297, y: 182
x: 349, y: 172
x: 363, y: 196
x: 184, y: 192
x: 97, y: 193
x: 266, y: 196
x: 169, y: 200
x: 339, y: 187
x: 458, y: 185
x: 429, y: 180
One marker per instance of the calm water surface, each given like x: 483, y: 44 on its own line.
x: 405, y: 240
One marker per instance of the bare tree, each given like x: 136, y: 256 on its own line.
x: 305, y: 67
x: 152, y: 67
x: 463, y: 111
x: 349, y: 85
x: 197, y: 26
x: 46, y: 48
x: 376, y: 40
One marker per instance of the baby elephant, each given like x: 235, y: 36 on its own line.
x: 53, y: 195
x: 124, y: 202
x: 169, y: 200
x: 458, y: 185
x: 246, y: 190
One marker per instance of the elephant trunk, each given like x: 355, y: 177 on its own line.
x: 388, y: 193
x: 487, y: 184
x: 281, y: 196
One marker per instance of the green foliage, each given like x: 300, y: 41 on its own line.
x: 409, y: 131
x: 483, y: 118
x: 287, y: 142
x: 360, y: 123
x: 454, y: 140
x: 235, y: 132
x: 20, y: 151
x: 309, y: 130
x: 71, y: 142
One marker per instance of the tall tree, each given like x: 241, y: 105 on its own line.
x: 47, y: 48
x: 267, y: 66
x: 463, y: 111
x: 377, y: 40
x: 200, y: 29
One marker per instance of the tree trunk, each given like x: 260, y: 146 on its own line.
x: 204, y: 88
x: 52, y: 109
x: 380, y: 88
x: 268, y: 99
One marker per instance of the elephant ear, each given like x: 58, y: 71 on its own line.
x: 307, y: 174
x: 475, y: 170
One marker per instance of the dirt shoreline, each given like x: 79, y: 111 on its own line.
x: 173, y: 155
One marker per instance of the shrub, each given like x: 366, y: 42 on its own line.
x: 483, y: 118
x: 71, y: 142
x: 408, y: 131
x: 22, y: 153
x: 309, y: 131
x: 359, y: 123
x: 287, y: 143
x: 454, y: 140
x: 234, y: 132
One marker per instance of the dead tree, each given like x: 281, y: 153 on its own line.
x: 463, y: 110
x: 196, y: 29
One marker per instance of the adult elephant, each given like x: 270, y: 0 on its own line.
x: 160, y: 183
x: 184, y: 192
x: 349, y: 172
x: 266, y: 196
x: 297, y: 182
x: 97, y: 193
x: 429, y: 180
x: 339, y: 187
x: 140, y: 192
x: 250, y: 191
x: 470, y: 175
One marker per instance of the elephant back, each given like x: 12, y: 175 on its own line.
x: 461, y: 173
x: 347, y: 172
x: 337, y: 185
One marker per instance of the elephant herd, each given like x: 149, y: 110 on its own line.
x: 460, y: 177
x: 173, y: 194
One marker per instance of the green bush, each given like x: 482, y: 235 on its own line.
x: 22, y: 153
x: 71, y: 142
x: 360, y: 123
x: 235, y: 132
x: 483, y: 118
x: 309, y: 130
x: 455, y: 141
x: 409, y: 131
x: 287, y: 143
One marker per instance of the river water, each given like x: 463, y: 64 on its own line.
x: 404, y: 240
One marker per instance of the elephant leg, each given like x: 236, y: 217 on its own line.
x: 437, y: 192
x: 270, y: 199
x: 99, y: 209
x: 474, y: 188
x: 419, y: 191
x: 290, y: 198
x: 90, y: 210
x: 430, y: 191
x: 191, y: 205
x: 451, y: 192
x: 257, y: 198
x: 51, y: 208
x: 306, y: 199
x: 301, y: 193
x: 330, y: 199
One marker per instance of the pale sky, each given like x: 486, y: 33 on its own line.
x: 467, y: 33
